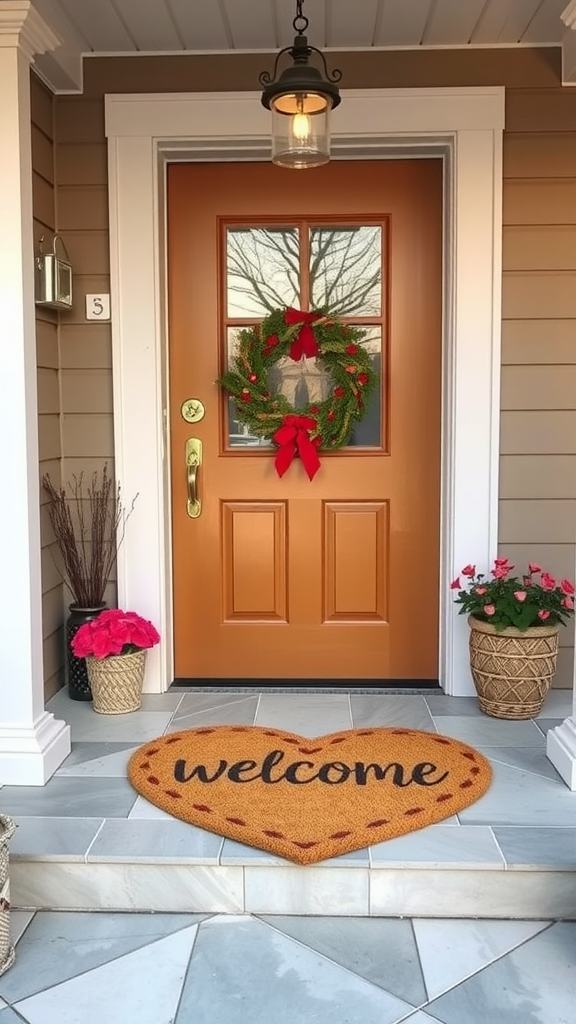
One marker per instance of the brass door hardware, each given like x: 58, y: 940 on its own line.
x: 192, y: 410
x: 193, y: 463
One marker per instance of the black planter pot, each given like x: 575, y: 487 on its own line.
x: 76, y: 673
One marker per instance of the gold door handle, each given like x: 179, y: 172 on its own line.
x: 193, y: 463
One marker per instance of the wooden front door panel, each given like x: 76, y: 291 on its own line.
x: 287, y: 578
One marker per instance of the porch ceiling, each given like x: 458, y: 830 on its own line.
x: 220, y: 26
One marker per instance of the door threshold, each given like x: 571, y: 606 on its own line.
x: 378, y: 686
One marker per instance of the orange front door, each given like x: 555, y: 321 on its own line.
x: 286, y: 578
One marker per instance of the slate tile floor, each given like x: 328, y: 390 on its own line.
x: 211, y: 968
x: 79, y: 968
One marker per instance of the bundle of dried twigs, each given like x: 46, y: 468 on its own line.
x: 89, y: 523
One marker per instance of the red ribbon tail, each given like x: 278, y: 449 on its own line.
x: 309, y: 343
x: 308, y: 454
x: 284, y: 456
x: 296, y: 349
x: 304, y: 343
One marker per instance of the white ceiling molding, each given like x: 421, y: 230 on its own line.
x: 569, y: 45
x: 22, y: 26
x: 62, y: 69
x: 131, y: 28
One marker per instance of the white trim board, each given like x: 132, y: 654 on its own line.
x: 465, y: 127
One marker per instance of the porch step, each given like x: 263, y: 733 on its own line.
x: 87, y: 841
x: 239, y: 880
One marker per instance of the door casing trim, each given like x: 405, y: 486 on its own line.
x: 464, y: 127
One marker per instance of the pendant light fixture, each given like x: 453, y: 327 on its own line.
x: 300, y: 100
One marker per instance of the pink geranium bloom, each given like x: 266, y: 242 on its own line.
x: 521, y: 601
x: 114, y: 632
x: 469, y: 570
x: 455, y: 585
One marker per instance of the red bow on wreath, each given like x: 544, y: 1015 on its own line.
x: 304, y: 343
x: 294, y: 434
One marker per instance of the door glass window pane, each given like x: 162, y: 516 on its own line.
x: 307, y: 381
x: 262, y: 270
x: 368, y: 431
x: 238, y: 434
x: 346, y: 269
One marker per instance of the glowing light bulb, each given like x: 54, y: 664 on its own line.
x: 301, y: 128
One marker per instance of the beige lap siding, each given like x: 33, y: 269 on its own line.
x: 538, y: 424
x: 47, y: 359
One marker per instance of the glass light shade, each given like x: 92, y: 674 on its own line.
x: 301, y: 134
x: 301, y: 102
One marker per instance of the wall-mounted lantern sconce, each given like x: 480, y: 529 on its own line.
x: 53, y: 277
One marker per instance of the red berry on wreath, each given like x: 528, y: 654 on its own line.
x: 351, y: 349
x: 270, y: 343
x: 331, y: 415
x: 314, y: 410
x: 339, y: 392
x: 350, y: 369
x: 253, y: 378
x: 362, y: 378
x: 245, y: 395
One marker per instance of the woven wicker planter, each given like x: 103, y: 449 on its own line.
x: 512, y: 670
x: 7, y: 829
x: 116, y: 682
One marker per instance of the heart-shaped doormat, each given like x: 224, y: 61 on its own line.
x: 309, y: 799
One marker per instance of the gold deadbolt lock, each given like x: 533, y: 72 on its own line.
x: 192, y: 410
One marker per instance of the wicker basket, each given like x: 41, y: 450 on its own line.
x: 512, y: 669
x: 116, y: 682
x: 7, y: 829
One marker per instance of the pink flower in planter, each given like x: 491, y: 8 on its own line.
x: 504, y: 599
x: 469, y: 570
x: 455, y: 585
x: 114, y: 632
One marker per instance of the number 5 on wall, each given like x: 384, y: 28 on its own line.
x: 97, y: 307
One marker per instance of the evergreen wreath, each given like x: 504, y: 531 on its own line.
x: 267, y: 413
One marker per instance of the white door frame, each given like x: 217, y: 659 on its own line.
x: 465, y: 127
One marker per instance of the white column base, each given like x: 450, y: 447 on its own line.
x: 30, y: 755
x: 561, y: 750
